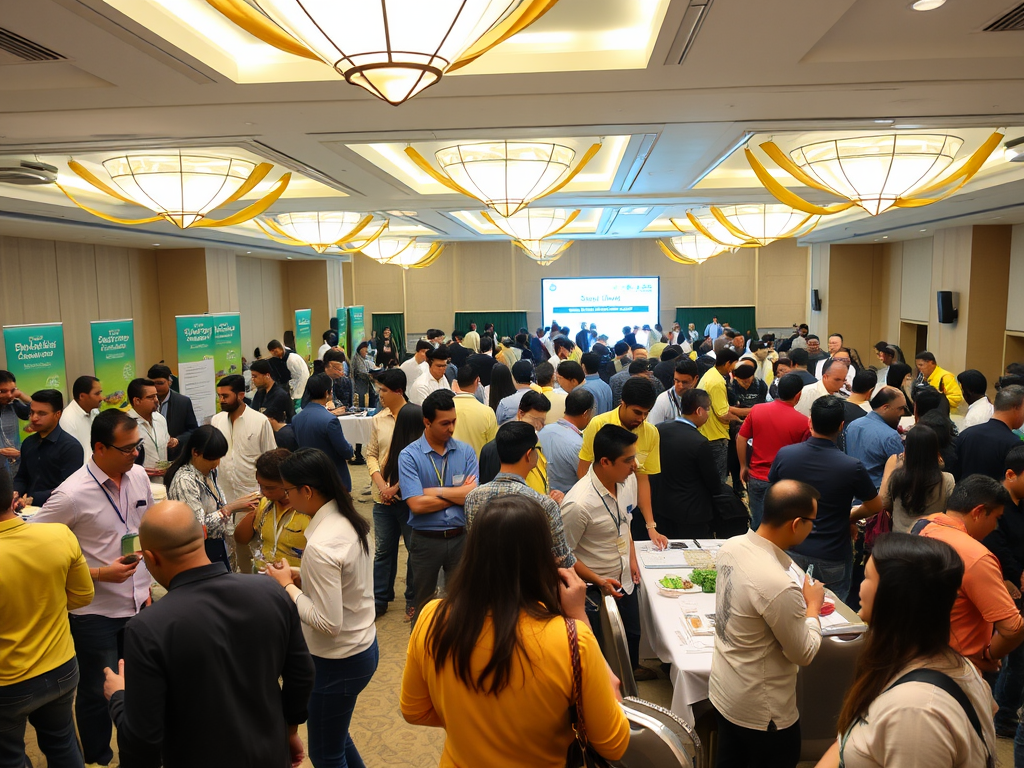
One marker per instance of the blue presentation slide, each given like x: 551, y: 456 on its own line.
x: 609, y: 302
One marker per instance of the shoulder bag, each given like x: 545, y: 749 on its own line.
x: 580, y: 754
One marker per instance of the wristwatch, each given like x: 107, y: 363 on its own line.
x: 651, y: 525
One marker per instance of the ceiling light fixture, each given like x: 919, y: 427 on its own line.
x: 927, y: 5
x: 401, y: 213
x: 874, y: 172
x: 318, y: 230
x: 544, y: 252
x: 404, y: 252
x: 748, y: 226
x: 691, y: 248
x: 392, y: 48
x: 533, y: 223
x: 506, y: 176
x: 180, y: 188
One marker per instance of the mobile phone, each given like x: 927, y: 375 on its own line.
x: 129, y: 559
x: 130, y: 544
x: 810, y: 572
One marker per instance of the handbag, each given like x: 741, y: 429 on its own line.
x: 875, y: 526
x: 579, y: 754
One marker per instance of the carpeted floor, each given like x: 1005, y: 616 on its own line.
x: 378, y: 730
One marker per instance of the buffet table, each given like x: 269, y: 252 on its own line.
x: 663, y: 627
x: 356, y: 428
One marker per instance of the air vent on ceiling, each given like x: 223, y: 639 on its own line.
x: 1011, y: 21
x: 24, y: 48
x: 27, y: 173
x: 693, y: 19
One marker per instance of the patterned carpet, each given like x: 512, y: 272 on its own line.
x: 378, y: 729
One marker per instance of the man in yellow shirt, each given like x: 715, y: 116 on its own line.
x: 941, y: 379
x: 44, y: 575
x: 475, y: 423
x: 638, y: 397
x: 545, y: 373
x: 281, y: 529
x: 716, y: 428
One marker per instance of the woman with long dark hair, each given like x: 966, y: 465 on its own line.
x: 908, y: 591
x: 490, y: 663
x: 914, y: 484
x: 501, y: 385
x: 192, y: 478
x: 335, y: 603
x: 387, y: 349
x: 901, y: 376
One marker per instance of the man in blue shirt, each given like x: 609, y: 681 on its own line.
x: 873, y: 438
x: 522, y: 375
x: 436, y: 473
x: 713, y: 329
x: 839, y: 479
x: 561, y: 441
x: 602, y: 391
x: 316, y: 427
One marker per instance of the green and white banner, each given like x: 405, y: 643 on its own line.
x: 342, y: 314
x: 304, y: 334
x: 227, y: 344
x: 356, y: 328
x: 113, y: 359
x: 196, y: 367
x: 35, y: 355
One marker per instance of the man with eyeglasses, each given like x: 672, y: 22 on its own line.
x: 103, y: 503
x: 156, y: 440
x: 839, y: 479
x: 13, y: 410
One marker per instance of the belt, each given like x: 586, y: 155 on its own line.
x: 450, y: 533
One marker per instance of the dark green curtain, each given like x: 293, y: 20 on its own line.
x: 740, y: 319
x: 505, y: 323
x: 396, y: 322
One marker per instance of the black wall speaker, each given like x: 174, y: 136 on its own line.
x: 947, y: 312
x: 815, y: 300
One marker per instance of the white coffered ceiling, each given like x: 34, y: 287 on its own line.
x: 140, y: 74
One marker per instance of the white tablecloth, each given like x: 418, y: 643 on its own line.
x: 662, y: 628
x: 356, y: 429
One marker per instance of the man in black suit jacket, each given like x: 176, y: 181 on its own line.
x: 683, y: 494
x: 175, y: 407
x: 316, y: 427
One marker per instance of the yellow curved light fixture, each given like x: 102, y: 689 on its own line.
x: 544, y: 252
x: 875, y: 173
x: 419, y: 256
x: 383, y: 249
x: 506, y: 176
x: 392, y: 48
x: 752, y: 225
x: 533, y: 223
x: 691, y: 248
x: 180, y: 188
x: 318, y: 230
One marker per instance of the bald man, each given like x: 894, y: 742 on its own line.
x: 218, y: 641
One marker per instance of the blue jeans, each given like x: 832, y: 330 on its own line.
x: 336, y: 687
x: 1009, y: 690
x: 98, y: 644
x: 756, y: 489
x: 45, y: 701
x: 834, y: 574
x: 390, y: 522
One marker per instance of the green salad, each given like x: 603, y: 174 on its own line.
x: 671, y: 581
x: 705, y: 578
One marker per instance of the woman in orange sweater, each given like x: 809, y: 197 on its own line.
x: 490, y: 663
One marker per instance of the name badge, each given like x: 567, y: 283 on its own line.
x: 622, y: 545
x: 458, y: 479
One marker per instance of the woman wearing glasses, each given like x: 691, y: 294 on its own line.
x: 335, y: 603
x: 192, y: 478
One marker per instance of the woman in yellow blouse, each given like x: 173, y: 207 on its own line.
x: 490, y: 663
x: 278, y: 528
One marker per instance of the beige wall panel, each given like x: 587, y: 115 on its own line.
x: 147, y: 311
x: 429, y: 295
x: 951, y: 271
x: 782, y: 293
x: 347, y: 279
x: 221, y: 280
x: 335, y: 288
x: 307, y: 289
x: 378, y: 287
x: 1015, y: 306
x: 915, y: 292
x: 114, y: 282
x: 38, y: 260
x: 260, y: 302
x: 892, y: 288
x: 77, y: 294
x: 181, y: 275
x: 12, y: 287
x: 855, y: 290
x: 990, y: 272
x: 818, y: 322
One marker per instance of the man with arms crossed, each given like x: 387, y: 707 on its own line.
x: 766, y: 628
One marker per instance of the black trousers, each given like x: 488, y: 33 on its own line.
x: 740, y: 747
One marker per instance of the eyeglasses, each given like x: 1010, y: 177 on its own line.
x: 289, y: 488
x: 809, y: 519
x: 127, y: 450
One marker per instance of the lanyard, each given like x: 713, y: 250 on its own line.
x: 440, y: 473
x: 205, y: 486
x: 674, y: 399
x: 617, y: 517
x: 543, y: 478
x: 280, y: 526
x: 109, y: 499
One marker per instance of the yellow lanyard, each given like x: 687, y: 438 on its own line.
x: 439, y: 472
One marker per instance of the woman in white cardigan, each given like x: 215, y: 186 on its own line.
x: 335, y: 603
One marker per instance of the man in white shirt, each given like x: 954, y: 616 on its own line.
x: 666, y: 407
x: 330, y: 340
x: 974, y: 386
x: 414, y: 367
x: 152, y: 425
x: 298, y: 370
x: 596, y: 515
x: 766, y: 628
x: 472, y: 339
x: 832, y: 380
x: 79, y: 414
x: 437, y: 362
x: 249, y: 436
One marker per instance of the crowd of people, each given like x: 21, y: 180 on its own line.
x: 166, y: 564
